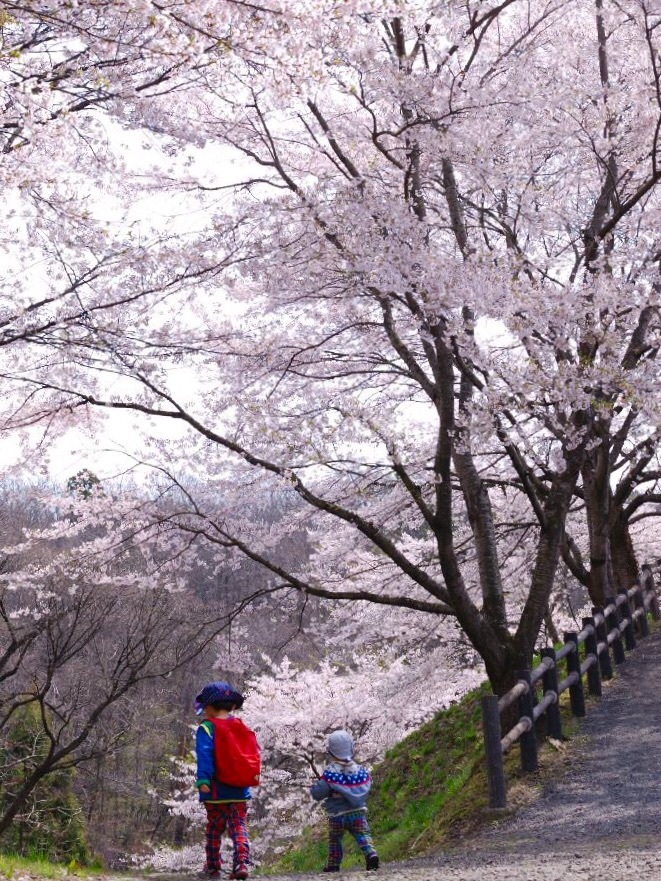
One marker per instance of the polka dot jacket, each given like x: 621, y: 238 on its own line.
x: 343, y: 788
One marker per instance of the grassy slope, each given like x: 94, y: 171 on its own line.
x: 16, y: 867
x: 429, y: 791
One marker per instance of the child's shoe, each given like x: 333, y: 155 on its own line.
x: 372, y: 862
x: 331, y: 869
x: 208, y: 873
x: 240, y: 872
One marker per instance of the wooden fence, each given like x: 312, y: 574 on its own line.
x: 612, y: 629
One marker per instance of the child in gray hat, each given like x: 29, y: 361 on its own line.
x: 343, y: 787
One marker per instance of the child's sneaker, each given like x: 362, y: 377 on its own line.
x: 206, y: 873
x: 240, y: 873
x: 372, y: 862
x: 331, y: 869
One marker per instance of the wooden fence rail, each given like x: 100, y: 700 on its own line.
x: 613, y: 629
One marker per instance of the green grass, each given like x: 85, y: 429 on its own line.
x: 14, y: 865
x: 39, y: 866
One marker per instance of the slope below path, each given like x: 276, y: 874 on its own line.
x: 600, y: 818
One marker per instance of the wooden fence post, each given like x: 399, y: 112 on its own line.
x: 594, y: 672
x: 576, y: 698
x: 528, y: 740
x: 613, y: 623
x: 602, y: 636
x: 550, y: 683
x: 494, y: 751
x: 629, y: 636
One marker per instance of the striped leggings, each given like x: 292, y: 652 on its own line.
x: 230, y: 816
x: 355, y: 823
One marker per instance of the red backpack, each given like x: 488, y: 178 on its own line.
x: 235, y: 753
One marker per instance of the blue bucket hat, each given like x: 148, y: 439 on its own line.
x: 215, y: 693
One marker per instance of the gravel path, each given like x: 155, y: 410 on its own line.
x: 600, y: 820
x: 611, y: 795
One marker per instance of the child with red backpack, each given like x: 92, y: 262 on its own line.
x: 228, y: 764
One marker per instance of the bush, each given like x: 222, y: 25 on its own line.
x: 51, y: 824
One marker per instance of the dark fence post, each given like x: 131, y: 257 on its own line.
x: 576, y: 699
x: 602, y: 636
x: 613, y: 623
x: 528, y: 740
x: 639, y: 605
x: 629, y: 636
x: 550, y: 683
x: 494, y: 751
x: 593, y: 672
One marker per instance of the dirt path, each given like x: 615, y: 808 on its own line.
x: 611, y: 794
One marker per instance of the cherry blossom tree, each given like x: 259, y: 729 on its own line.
x: 442, y: 283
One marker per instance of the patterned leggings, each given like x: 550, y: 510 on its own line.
x: 355, y: 823
x: 230, y: 816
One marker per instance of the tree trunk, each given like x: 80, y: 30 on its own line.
x: 623, y: 555
x: 21, y: 797
x: 551, y: 632
x: 596, y: 484
x: 549, y: 546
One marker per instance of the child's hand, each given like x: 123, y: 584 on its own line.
x: 205, y: 788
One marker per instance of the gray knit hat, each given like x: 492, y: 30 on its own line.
x: 340, y: 745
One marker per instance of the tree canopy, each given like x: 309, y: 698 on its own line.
x: 424, y: 299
